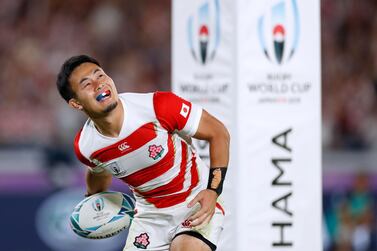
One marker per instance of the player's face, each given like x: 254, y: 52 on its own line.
x: 95, y: 92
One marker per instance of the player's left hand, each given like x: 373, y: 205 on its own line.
x: 207, y: 199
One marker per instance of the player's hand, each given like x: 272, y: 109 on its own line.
x: 207, y: 200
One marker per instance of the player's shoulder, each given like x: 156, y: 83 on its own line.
x: 167, y: 100
x: 165, y: 97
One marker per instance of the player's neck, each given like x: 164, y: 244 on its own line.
x: 111, y: 124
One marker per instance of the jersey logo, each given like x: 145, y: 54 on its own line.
x: 142, y: 241
x: 185, y: 110
x: 122, y: 147
x: 186, y: 224
x: 115, y: 169
x: 155, y: 152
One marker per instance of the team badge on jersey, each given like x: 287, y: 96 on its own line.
x: 142, y: 241
x: 155, y: 152
x: 186, y: 224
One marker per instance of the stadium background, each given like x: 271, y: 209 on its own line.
x: 132, y: 40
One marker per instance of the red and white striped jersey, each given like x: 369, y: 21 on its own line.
x: 149, y: 155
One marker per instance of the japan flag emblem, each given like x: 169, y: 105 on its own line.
x: 185, y: 110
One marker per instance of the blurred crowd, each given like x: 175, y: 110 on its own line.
x: 349, y: 74
x: 131, y: 40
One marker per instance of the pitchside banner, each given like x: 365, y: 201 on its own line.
x: 266, y: 56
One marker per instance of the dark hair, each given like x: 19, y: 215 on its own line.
x: 66, y: 70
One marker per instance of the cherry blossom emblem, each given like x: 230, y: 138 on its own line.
x: 186, y: 224
x: 155, y: 152
x: 142, y: 241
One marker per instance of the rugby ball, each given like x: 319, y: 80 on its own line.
x: 102, y: 215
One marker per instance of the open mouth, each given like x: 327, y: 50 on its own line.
x: 103, y: 96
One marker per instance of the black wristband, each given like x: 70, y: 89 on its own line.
x: 216, y: 179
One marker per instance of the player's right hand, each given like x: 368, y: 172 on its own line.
x: 207, y: 200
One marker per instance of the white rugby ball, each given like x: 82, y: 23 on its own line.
x: 102, y: 215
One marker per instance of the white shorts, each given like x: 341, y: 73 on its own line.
x: 154, y: 229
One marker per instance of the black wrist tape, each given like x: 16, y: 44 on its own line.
x: 216, y: 179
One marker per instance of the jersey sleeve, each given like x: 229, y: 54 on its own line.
x: 176, y: 113
x: 91, y: 166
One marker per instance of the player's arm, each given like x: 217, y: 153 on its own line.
x: 97, y: 182
x: 213, y: 131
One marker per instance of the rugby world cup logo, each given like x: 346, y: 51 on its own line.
x: 279, y: 31
x: 115, y: 168
x: 98, y: 204
x: 203, y: 31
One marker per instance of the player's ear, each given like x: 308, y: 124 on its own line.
x: 75, y: 104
